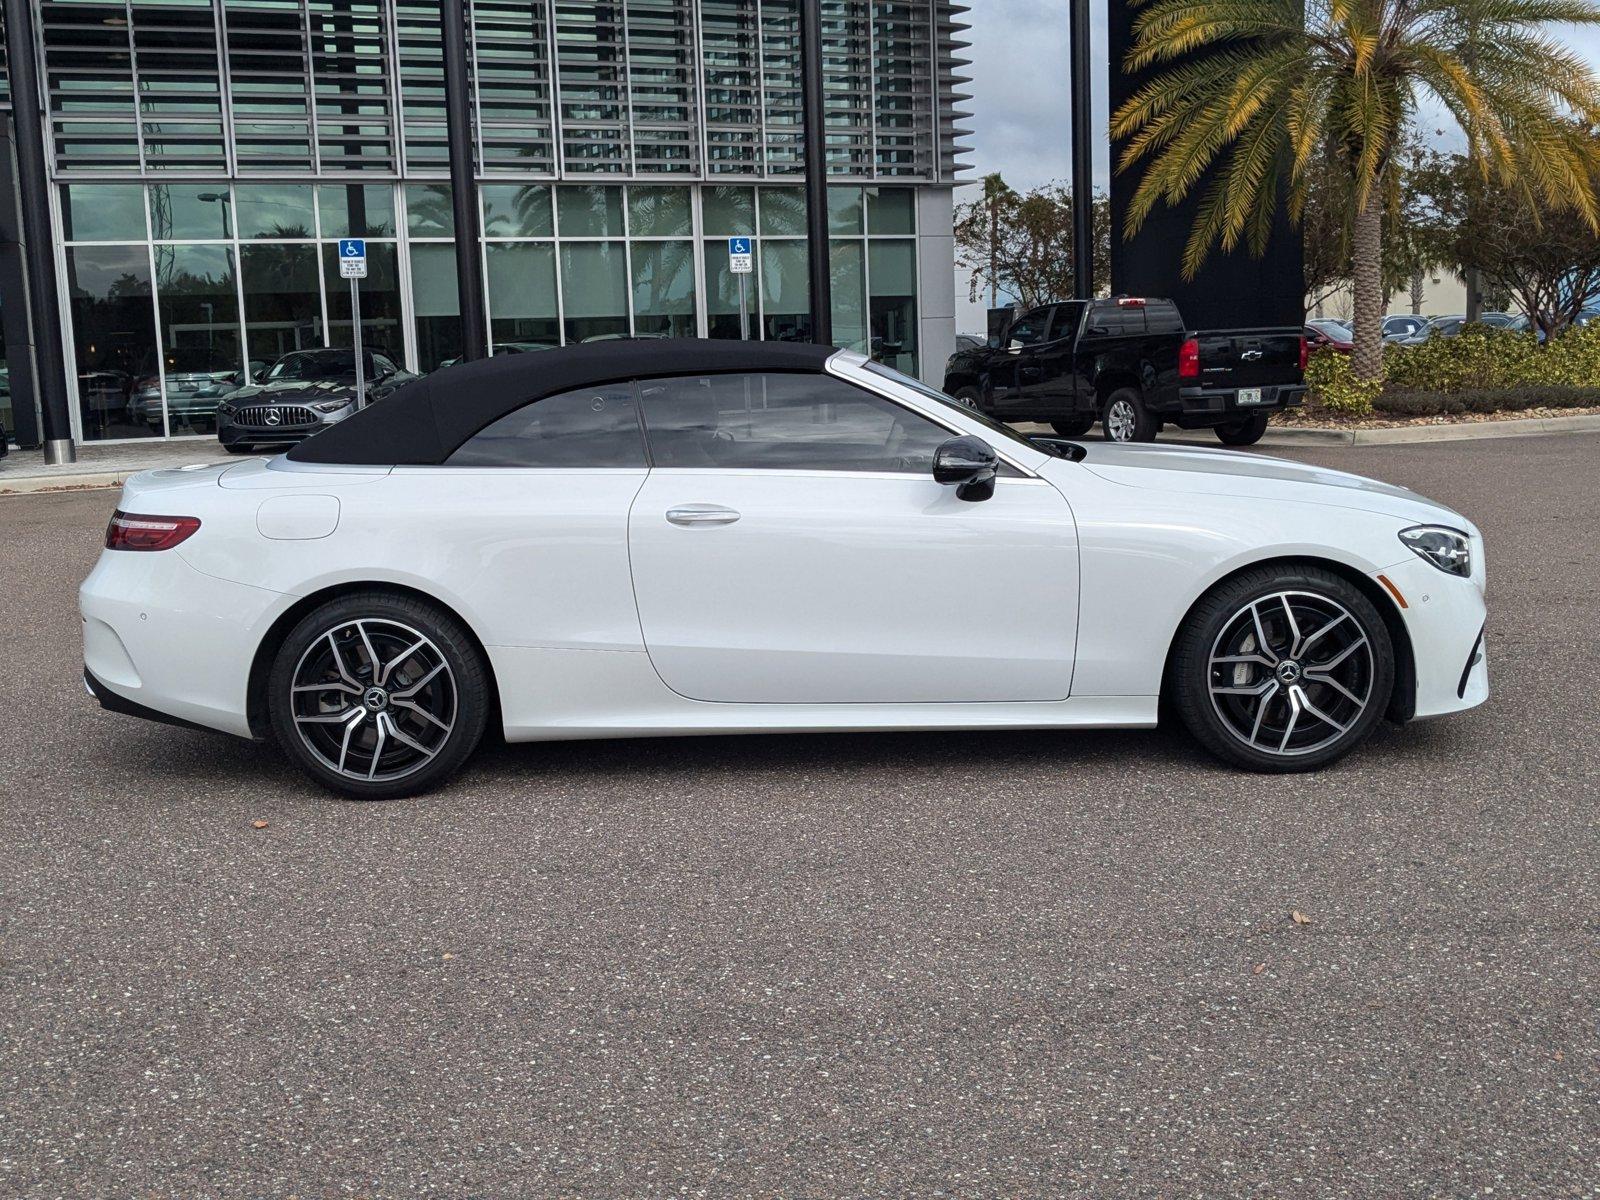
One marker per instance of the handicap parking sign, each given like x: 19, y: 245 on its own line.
x: 741, y: 259
x: 353, y: 258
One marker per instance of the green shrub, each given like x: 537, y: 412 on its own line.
x: 1332, y: 383
x: 1483, y: 359
x: 1486, y: 400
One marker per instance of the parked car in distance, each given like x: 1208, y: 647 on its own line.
x: 968, y: 341
x: 1128, y: 363
x: 1324, y: 333
x: 303, y: 393
x: 702, y: 537
x: 1406, y: 329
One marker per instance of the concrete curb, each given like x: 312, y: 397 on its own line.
x: 1412, y: 434
x: 25, y: 485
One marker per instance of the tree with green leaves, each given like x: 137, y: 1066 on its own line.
x: 1251, y: 92
x: 1019, y: 244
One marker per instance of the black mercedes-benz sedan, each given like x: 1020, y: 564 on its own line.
x: 303, y: 392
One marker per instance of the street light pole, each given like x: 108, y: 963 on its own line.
x: 1082, y: 155
x: 816, y: 164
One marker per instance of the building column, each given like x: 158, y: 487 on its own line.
x: 463, y: 181
x: 936, y: 282
x: 14, y: 318
x: 38, y: 244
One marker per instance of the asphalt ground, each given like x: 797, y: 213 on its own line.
x: 1001, y: 964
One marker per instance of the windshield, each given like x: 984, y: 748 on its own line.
x: 930, y: 393
x: 312, y: 367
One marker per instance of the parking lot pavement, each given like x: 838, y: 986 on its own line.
x: 1004, y: 964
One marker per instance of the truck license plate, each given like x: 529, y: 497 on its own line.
x: 1249, y: 395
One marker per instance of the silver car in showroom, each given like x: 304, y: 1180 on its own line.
x: 302, y: 393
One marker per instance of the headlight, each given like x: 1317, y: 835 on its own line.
x: 330, y: 405
x: 1448, y: 549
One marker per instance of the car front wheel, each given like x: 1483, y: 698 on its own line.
x: 1283, y: 669
x: 1126, y: 418
x: 378, y: 695
x: 1076, y: 427
x: 969, y: 396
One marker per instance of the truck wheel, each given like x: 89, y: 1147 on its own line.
x: 1243, y: 433
x: 969, y: 396
x: 1127, y: 419
x: 1076, y: 427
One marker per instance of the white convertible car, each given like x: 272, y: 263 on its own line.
x: 675, y: 537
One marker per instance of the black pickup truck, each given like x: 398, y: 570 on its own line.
x: 1130, y: 364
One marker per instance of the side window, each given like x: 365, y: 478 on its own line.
x: 1067, y: 318
x: 590, y: 427
x: 783, y: 422
x: 1030, y: 327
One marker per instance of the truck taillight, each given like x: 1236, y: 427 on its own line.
x: 1305, y: 353
x: 135, y: 531
x: 1189, y: 359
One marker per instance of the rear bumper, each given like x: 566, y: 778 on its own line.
x: 1200, y: 407
x: 164, y: 641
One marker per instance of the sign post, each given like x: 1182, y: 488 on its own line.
x: 741, y: 261
x: 353, y: 266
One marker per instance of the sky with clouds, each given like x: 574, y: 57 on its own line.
x: 1019, y: 105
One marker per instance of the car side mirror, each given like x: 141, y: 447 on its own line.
x: 968, y: 462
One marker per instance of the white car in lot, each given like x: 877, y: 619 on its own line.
x: 677, y: 537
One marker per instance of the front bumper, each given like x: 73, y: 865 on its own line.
x: 1200, y: 407
x: 1445, y: 617
x: 230, y: 434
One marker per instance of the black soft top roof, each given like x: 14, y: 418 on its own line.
x: 424, y: 421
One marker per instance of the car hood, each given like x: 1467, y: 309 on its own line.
x: 292, y: 392
x: 1192, y: 470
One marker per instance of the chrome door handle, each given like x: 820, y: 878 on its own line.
x: 702, y: 514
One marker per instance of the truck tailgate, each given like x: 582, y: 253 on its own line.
x: 1233, y: 358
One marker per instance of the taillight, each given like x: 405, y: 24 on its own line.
x: 1305, y: 354
x: 135, y: 531
x: 1189, y: 360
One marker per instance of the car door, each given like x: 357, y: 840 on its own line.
x: 791, y: 546
x: 1015, y: 370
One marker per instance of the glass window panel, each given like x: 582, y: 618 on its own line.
x: 892, y: 267
x: 282, y: 301
x: 889, y: 210
x: 593, y: 427
x: 516, y: 210
x: 103, y: 212
x: 783, y: 423
x: 522, y: 297
x: 382, y: 328
x: 594, y: 291
x: 785, y: 292
x: 728, y: 210
x: 436, y: 304
x: 200, y: 338
x: 428, y: 211
x: 658, y: 212
x: 113, y: 335
x: 356, y: 210
x: 663, y: 288
x: 844, y: 210
x: 722, y: 286
x: 191, y: 211
x: 590, y: 211
x: 274, y: 210
x: 848, y: 287
x: 783, y: 211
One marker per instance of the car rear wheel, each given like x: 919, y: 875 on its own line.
x: 378, y: 695
x: 1283, y: 669
x: 1126, y: 419
x: 1243, y: 433
x: 1074, y: 428
x: 969, y: 396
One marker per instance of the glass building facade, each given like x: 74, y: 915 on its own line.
x: 207, y: 155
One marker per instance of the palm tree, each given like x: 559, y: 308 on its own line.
x: 1254, y: 90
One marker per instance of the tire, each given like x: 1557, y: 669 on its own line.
x: 1243, y: 433
x: 238, y: 448
x: 1076, y: 427
x: 345, y: 657
x: 969, y: 396
x: 1126, y: 419
x: 1276, y: 712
